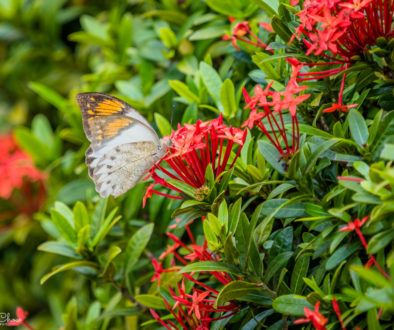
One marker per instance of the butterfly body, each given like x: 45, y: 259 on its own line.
x: 123, y: 147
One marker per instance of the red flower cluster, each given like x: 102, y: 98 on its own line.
x: 339, y: 30
x: 193, y: 148
x: 345, y: 28
x: 193, y: 308
x: 272, y: 103
x: 18, y: 176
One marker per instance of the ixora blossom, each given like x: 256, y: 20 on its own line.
x: 267, y: 104
x: 194, y: 147
x: 317, y: 319
x: 21, y: 183
x: 356, y: 225
x: 193, y: 308
x: 338, y: 30
x: 20, y: 320
x: 242, y: 32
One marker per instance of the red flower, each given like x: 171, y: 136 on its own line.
x: 338, y: 312
x: 21, y: 317
x: 271, y: 104
x: 241, y: 31
x: 193, y: 308
x: 21, y: 183
x: 356, y: 225
x: 349, y: 178
x: 340, y: 107
x: 193, y: 148
x: 315, y: 317
x: 159, y: 270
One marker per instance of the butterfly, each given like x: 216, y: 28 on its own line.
x: 124, y: 146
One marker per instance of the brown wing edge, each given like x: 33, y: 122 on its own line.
x: 86, y: 103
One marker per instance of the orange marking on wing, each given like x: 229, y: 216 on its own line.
x: 92, y: 99
x: 113, y: 127
x: 90, y: 112
x: 108, y: 107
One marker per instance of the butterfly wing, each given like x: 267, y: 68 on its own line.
x: 123, y: 144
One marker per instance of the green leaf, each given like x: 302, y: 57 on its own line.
x: 48, y: 94
x: 111, y: 254
x: 234, y: 290
x: 388, y: 151
x: 299, y: 272
x: 120, y: 312
x: 163, y: 124
x: 227, y: 98
x: 211, y: 80
x: 184, y: 187
x: 254, y: 322
x: 373, y: 320
x: 289, y: 211
x: 151, y: 301
x: 380, y: 241
x: 211, y: 32
x: 276, y: 264
x: 105, y: 228
x: 168, y: 37
x: 64, y: 227
x: 272, y: 156
x: 223, y: 213
x: 80, y: 215
x: 93, y: 313
x: 206, y: 266
x: 68, y: 266
x: 291, y: 304
x: 358, y: 127
x: 136, y: 246
x: 93, y: 26
x: 125, y: 35
x: 317, y: 153
x: 41, y: 128
x: 341, y: 254
x: 269, y: 6
x: 304, y: 128
x: 60, y: 248
x: 281, y: 29
x: 265, y: 66
x: 183, y: 90
x: 226, y: 7
x: 374, y: 128
x: 235, y: 213
x: 32, y: 145
x: 76, y: 190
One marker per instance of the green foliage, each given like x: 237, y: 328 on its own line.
x: 273, y: 223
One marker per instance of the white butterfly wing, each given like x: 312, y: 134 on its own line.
x: 123, y: 144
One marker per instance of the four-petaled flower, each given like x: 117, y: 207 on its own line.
x: 242, y: 32
x: 21, y: 319
x: 317, y: 319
